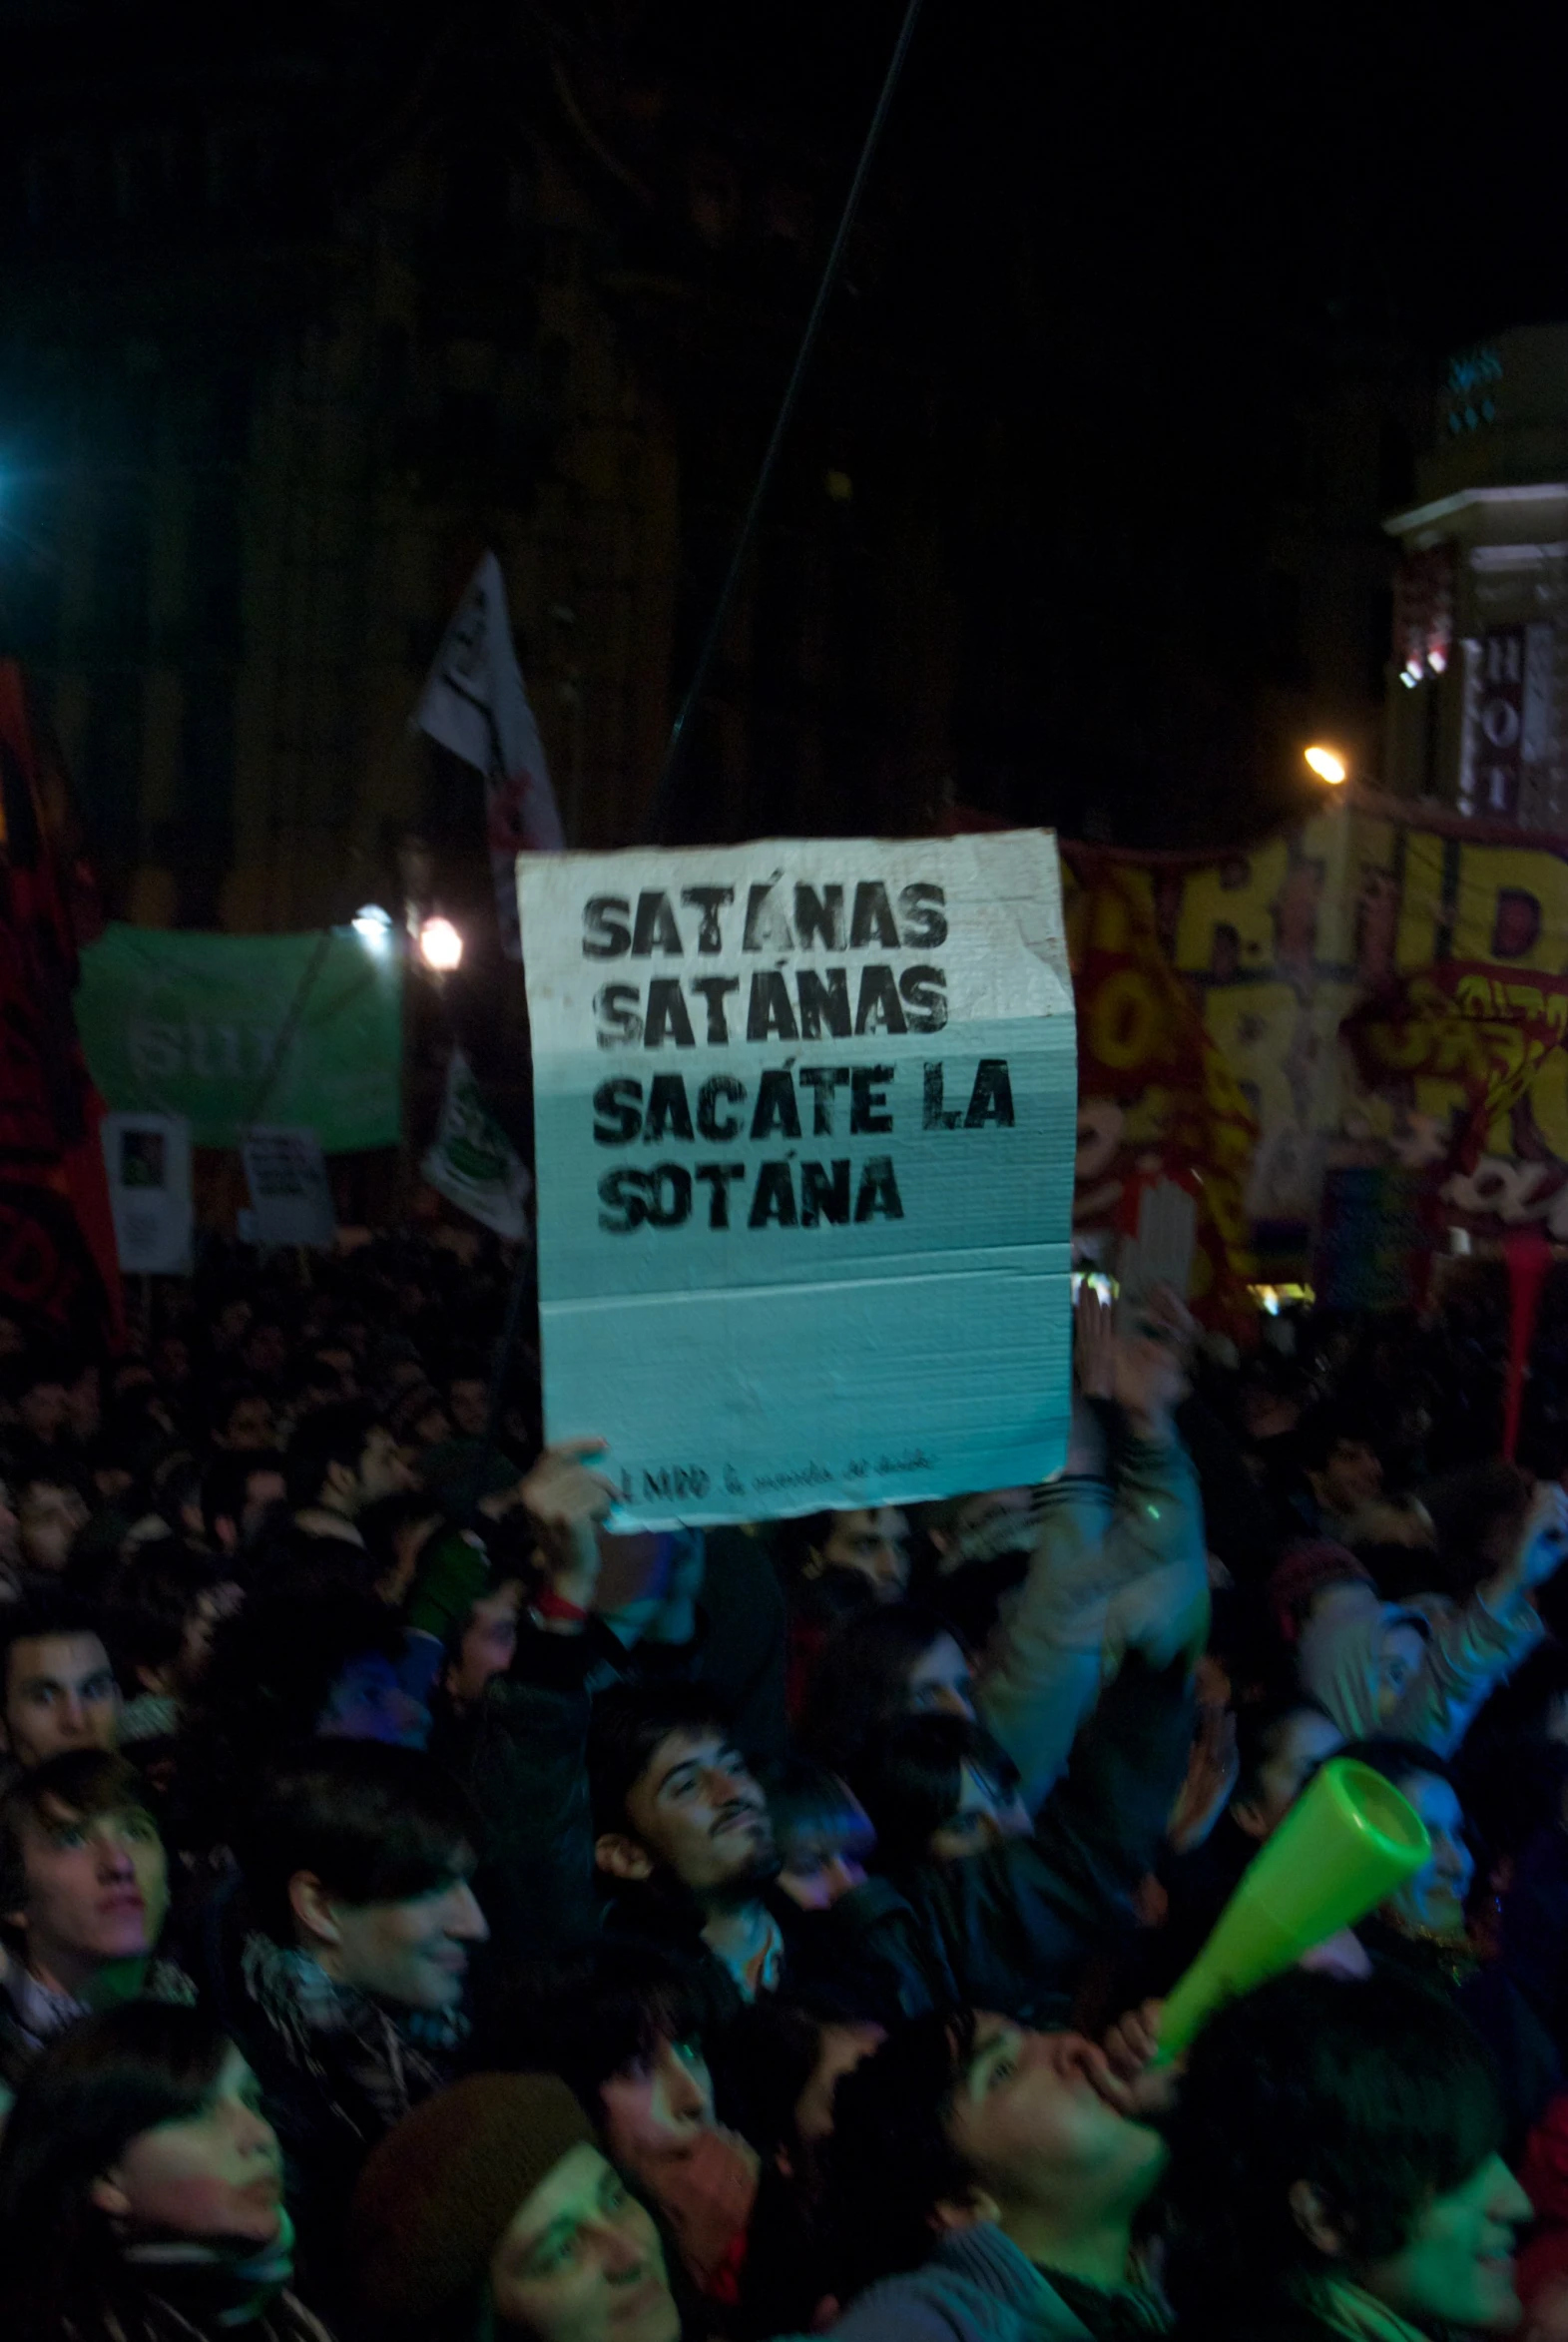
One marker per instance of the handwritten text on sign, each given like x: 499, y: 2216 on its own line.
x: 804, y: 1130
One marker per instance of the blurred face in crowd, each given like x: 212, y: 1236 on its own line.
x: 217, y: 2173
x: 1301, y: 1743
x: 49, y: 1521
x: 265, y: 1352
x: 97, y: 1892
x: 382, y: 1471
x: 825, y: 1859
x: 1401, y: 1650
x: 1029, y: 2122
x: 369, y: 1701
x: 1350, y: 1478
x: 659, y: 2108
x: 43, y: 1410
x: 411, y: 1955
x: 941, y: 1681
x: 987, y: 1813
x: 839, y: 2051
x: 872, y: 1545
x: 1457, y: 2269
x: 694, y: 1811
x: 251, y: 1428
x: 488, y: 1645
x: 211, y: 1606
x: 468, y: 1403
x: 581, y: 2261
x: 60, y: 1693
x: 1434, y: 1899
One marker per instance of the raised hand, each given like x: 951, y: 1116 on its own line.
x: 566, y: 1501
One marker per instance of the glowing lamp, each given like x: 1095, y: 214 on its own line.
x: 373, y: 926
x: 440, y: 946
x: 1327, y: 765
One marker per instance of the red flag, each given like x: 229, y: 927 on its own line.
x: 58, y: 1266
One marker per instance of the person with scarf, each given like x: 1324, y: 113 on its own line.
x: 1336, y: 2173
x: 347, y: 1993
x: 141, y: 2192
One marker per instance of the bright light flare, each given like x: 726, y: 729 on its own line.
x: 373, y: 926
x: 1327, y: 764
x: 440, y: 946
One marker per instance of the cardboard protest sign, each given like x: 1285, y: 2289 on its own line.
x: 290, y: 1196
x: 803, y: 1144
x: 148, y: 1158
x: 472, y: 1162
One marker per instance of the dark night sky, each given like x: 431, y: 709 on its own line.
x: 1106, y: 256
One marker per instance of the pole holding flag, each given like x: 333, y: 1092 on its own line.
x: 474, y: 704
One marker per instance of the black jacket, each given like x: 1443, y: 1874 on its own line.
x: 1016, y: 1925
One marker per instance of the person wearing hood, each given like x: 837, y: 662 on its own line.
x: 1416, y: 1671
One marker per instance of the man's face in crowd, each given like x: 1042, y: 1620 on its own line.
x: 49, y: 1521
x: 411, y: 1955
x: 60, y: 1693
x: 941, y: 1682
x: 872, y: 1545
x: 211, y: 1606
x: 1031, y: 2126
x: 581, y: 2261
x: 97, y: 1890
x: 251, y: 1428
x: 657, y: 2109
x: 382, y: 1471
x: 43, y: 1410
x: 1457, y: 2268
x: 1434, y: 1899
x: 488, y: 1646
x: 468, y: 1403
x: 1301, y: 1743
x: 265, y: 1352
x: 1350, y: 1478
x: 698, y: 1812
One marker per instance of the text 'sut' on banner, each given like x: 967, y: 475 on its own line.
x: 804, y: 1129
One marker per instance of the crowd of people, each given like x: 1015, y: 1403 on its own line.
x: 430, y: 1914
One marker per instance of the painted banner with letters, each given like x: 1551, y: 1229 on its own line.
x: 804, y: 1145
x: 1387, y: 987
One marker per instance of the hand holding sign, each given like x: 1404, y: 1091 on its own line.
x: 566, y: 1501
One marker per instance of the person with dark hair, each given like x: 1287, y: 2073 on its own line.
x: 243, y: 1423
x: 51, y: 1514
x: 1334, y: 2170
x: 937, y: 1787
x: 162, y: 1609
x: 237, y: 1491
x: 141, y: 2192
x: 84, y: 1894
x: 491, y: 2211
x: 904, y: 1660
x: 626, y: 2025
x: 58, y: 1688
x: 341, y: 1459
x: 684, y: 1845
x: 839, y: 1566
x: 347, y: 1995
x: 986, y: 2184
x: 1341, y: 1472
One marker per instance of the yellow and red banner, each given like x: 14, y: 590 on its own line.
x: 1375, y: 990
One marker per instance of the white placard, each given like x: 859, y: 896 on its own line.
x: 148, y: 1158
x: 805, y: 1123
x: 290, y: 1195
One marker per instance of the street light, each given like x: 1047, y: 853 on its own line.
x: 1328, y: 764
x: 440, y: 946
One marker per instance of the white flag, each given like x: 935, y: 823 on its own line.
x: 474, y: 704
x: 472, y: 1160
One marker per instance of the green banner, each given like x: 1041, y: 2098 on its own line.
x: 188, y: 1023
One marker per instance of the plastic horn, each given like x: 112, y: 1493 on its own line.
x: 1346, y: 1844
